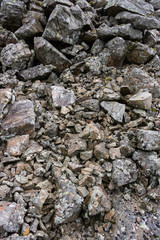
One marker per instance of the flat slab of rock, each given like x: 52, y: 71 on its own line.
x: 137, y: 21
x: 142, y: 100
x: 46, y: 53
x: 115, y: 110
x: 148, y: 140
x: 17, y: 145
x: 141, y: 6
x: 64, y: 24
x: 11, y: 217
x: 16, y: 56
x: 38, y: 72
x: 124, y: 172
x: 62, y: 97
x: 20, y: 120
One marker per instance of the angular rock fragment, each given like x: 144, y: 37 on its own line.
x: 156, y: 4
x: 91, y: 131
x: 5, y: 98
x: 148, y: 140
x: 11, y: 217
x: 91, y: 104
x: 101, y: 152
x: 125, y: 31
x: 13, y: 13
x: 94, y: 65
x: 99, y: 201
x: 137, y: 21
x: 6, y: 37
x: 149, y: 161
x: 142, y: 100
x: 29, y: 30
x: 141, y: 7
x: 139, y: 53
x: 62, y: 97
x: 75, y: 144
x: 16, y: 56
x: 20, y: 120
x: 48, y: 54
x: 38, y: 72
x: 64, y: 24
x: 154, y: 193
x: 17, y: 145
x: 49, y: 5
x: 115, y: 110
x: 124, y: 172
x: 4, y: 192
x: 8, y: 79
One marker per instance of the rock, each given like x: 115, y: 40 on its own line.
x: 40, y: 198
x: 36, y: 73
x: 155, y: 3
x: 110, y: 95
x: 5, y: 98
x: 149, y: 161
x: 140, y: 7
x: 137, y: 21
x: 13, y: 13
x: 148, y: 140
x: 62, y: 97
x: 97, y: 46
x: 139, y: 53
x: 125, y: 31
x: 86, y: 155
x: 91, y: 131
x: 151, y: 38
x: 16, y: 56
x: 82, y: 191
x: 17, y: 145
x: 6, y: 37
x: 91, y: 104
x: 114, y: 153
x: 75, y: 144
x: 94, y: 65
x: 49, y: 5
x: 65, y: 24
x: 68, y: 204
x: 142, y: 100
x: 114, y: 53
x: 4, y: 192
x: 29, y: 30
x: 99, y: 201
x: 46, y: 53
x: 154, y: 193
x: 20, y: 120
x: 101, y: 152
x: 8, y: 79
x: 115, y: 110
x: 124, y: 172
x: 11, y: 217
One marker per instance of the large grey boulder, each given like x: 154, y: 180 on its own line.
x: 136, y: 6
x: 125, y: 31
x: 46, y: 53
x: 65, y: 24
x: 137, y: 21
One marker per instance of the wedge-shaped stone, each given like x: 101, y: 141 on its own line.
x: 142, y: 100
x: 20, y: 120
x: 115, y: 110
x: 62, y: 97
x: 46, y: 53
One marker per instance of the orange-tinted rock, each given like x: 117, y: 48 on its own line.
x: 17, y: 145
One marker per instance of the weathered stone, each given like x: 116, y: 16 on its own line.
x: 86, y: 155
x: 68, y: 204
x: 48, y: 54
x: 125, y: 31
x: 91, y: 104
x: 142, y: 100
x: 5, y: 98
x: 17, y: 145
x: 70, y: 22
x: 155, y: 3
x: 13, y: 13
x: 149, y: 161
x: 154, y: 193
x: 82, y: 191
x: 62, y: 97
x: 49, y: 5
x: 137, y: 21
x: 8, y: 79
x: 38, y: 72
x: 151, y: 38
x: 141, y: 6
x: 97, y: 47
x: 139, y: 53
x: 40, y: 198
x: 75, y: 144
x: 101, y: 152
x: 20, y: 120
x: 4, y: 192
x: 114, y: 153
x: 11, y: 217
x: 91, y: 131
x: 110, y: 95
x: 94, y: 65
x: 99, y: 201
x: 16, y: 56
x: 148, y: 140
x: 6, y: 37
x: 124, y: 172
x: 115, y: 109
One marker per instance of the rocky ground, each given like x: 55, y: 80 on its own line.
x: 80, y: 119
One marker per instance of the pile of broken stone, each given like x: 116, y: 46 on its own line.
x: 80, y: 119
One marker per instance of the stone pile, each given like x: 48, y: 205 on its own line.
x: 79, y: 119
